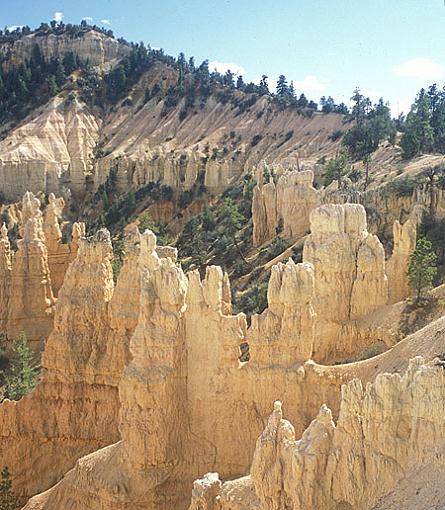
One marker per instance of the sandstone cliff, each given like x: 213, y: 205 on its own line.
x: 91, y: 45
x: 51, y: 150
x: 74, y: 408
x: 283, y: 208
x: 33, y: 275
x: 383, y: 431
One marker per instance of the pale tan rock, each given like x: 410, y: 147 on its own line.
x: 74, y: 408
x: 5, y: 278
x: 404, y: 237
x: 384, y: 430
x: 31, y: 300
x: 60, y: 255
x: 285, y: 330
x: 51, y: 150
x: 285, y: 207
x: 93, y: 46
x: 349, y: 268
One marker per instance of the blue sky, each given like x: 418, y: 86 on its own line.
x: 388, y: 48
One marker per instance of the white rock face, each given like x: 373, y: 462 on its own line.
x: 93, y: 46
x: 384, y: 432
x: 51, y: 150
x: 284, y: 207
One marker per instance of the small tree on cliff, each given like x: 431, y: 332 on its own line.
x: 8, y: 500
x: 422, y: 268
x: 21, y: 375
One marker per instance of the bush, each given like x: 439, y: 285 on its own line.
x: 256, y: 140
x: 253, y: 300
x: 402, y: 187
x: 336, y: 135
x: 20, y: 376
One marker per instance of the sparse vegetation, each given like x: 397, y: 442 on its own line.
x: 422, y: 269
x: 20, y: 375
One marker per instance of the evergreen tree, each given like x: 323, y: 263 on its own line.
x: 282, y: 87
x: 292, y: 94
x: 263, y: 86
x: 240, y: 85
x: 20, y: 377
x: 422, y: 268
x: 234, y: 221
x: 336, y: 168
x: 419, y: 134
x: 8, y: 501
x: 302, y: 101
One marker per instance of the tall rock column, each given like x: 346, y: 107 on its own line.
x: 5, y: 279
x: 31, y: 301
x: 284, y: 333
x: 350, y: 278
x: 404, y: 243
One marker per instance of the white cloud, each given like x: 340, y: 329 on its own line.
x: 420, y: 67
x: 58, y: 16
x: 311, y: 84
x: 14, y: 27
x: 105, y: 21
x: 222, y: 67
x: 88, y: 19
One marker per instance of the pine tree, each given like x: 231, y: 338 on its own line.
x: 240, y: 85
x: 20, y: 376
x: 264, y: 87
x: 419, y: 134
x: 336, y: 168
x: 422, y: 268
x: 282, y: 86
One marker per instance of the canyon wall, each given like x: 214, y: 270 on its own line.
x: 93, y: 46
x: 383, y: 432
x: 74, y: 408
x: 36, y: 269
x: 51, y: 152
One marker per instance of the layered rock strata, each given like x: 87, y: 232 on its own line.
x: 53, y: 150
x: 90, y: 46
x: 283, y: 207
x: 384, y: 431
x: 74, y: 408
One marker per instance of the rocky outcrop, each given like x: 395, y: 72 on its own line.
x: 140, y: 468
x: 349, y: 274
x: 37, y: 269
x: 404, y: 243
x: 384, y: 430
x: 51, y: 151
x: 31, y: 300
x: 285, y: 330
x: 283, y: 208
x: 74, y: 408
x: 90, y: 46
x: 5, y: 278
x: 60, y: 255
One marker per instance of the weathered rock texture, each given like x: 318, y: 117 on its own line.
x: 52, y: 150
x: 93, y: 46
x: 349, y: 275
x: 32, y: 277
x: 74, y: 408
x: 285, y: 207
x: 185, y: 387
x: 60, y: 254
x: 31, y: 300
x: 384, y: 430
x: 404, y: 243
